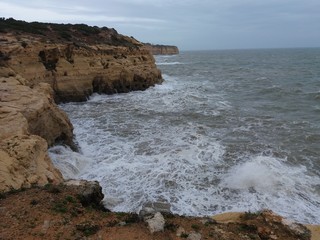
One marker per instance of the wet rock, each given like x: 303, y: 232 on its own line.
x: 151, y: 208
x: 147, y: 213
x: 158, y: 206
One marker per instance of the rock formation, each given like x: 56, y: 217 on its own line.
x: 162, y: 49
x: 44, y: 64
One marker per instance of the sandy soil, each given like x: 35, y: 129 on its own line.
x: 54, y: 212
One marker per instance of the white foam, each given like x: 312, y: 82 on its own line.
x: 163, y: 144
x: 70, y: 163
x: 169, y: 63
x: 147, y: 152
x: 258, y: 173
x: 268, y: 182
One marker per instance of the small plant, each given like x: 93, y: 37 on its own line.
x: 65, y: 35
x: 70, y: 199
x: 195, y: 227
x: 171, y: 227
x: 24, y: 44
x: 34, y: 202
x: 60, y: 207
x: 112, y: 223
x: 120, y: 214
x: 209, y: 223
x: 132, y: 218
x: 248, y: 227
x: 52, y: 188
x: 88, y: 228
x: 184, y: 235
x: 250, y: 215
x: 2, y: 195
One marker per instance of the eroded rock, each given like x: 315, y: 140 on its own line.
x: 37, y: 71
x: 89, y: 193
x: 156, y: 224
x: 25, y: 162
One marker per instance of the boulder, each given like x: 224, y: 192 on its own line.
x: 89, y: 193
x: 156, y: 224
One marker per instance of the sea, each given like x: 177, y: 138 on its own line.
x: 227, y: 130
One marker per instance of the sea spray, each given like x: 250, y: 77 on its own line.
x: 226, y: 131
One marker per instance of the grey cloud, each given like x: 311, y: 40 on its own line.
x: 190, y: 24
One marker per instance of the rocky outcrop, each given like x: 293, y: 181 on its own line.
x: 76, y: 72
x: 162, y: 49
x: 24, y: 163
x: 29, y: 121
x: 89, y: 193
x: 42, y: 64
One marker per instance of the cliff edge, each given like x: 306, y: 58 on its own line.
x: 42, y: 64
x: 162, y: 49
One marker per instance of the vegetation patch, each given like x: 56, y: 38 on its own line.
x: 52, y: 188
x: 60, y: 207
x: 171, y: 226
x: 250, y: 215
x: 195, y: 227
x: 132, y: 218
x: 88, y: 228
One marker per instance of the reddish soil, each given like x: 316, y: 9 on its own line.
x: 55, y: 212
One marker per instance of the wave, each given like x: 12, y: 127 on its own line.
x: 169, y: 63
x: 269, y: 182
x: 70, y: 163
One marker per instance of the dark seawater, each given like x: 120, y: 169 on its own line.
x: 231, y: 130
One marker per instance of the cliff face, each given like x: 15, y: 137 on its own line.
x: 41, y: 64
x: 29, y: 121
x: 162, y: 49
x: 77, y: 69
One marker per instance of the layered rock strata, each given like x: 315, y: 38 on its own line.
x: 29, y: 121
x: 44, y: 64
x: 162, y: 49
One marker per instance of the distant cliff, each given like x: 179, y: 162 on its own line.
x: 162, y: 49
x: 42, y: 64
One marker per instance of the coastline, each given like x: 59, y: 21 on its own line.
x: 50, y: 64
x: 72, y: 211
x: 37, y: 74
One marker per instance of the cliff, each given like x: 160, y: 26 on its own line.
x: 162, y: 49
x: 44, y: 64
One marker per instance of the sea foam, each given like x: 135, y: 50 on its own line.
x: 213, y: 137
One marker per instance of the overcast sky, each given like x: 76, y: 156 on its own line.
x: 189, y: 24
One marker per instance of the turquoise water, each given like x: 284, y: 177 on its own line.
x: 233, y: 130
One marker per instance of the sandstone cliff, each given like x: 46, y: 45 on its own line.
x: 25, y: 115
x: 42, y: 64
x: 162, y: 49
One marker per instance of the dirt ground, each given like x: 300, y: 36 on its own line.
x: 55, y: 212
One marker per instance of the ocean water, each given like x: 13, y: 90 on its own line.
x: 231, y: 130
